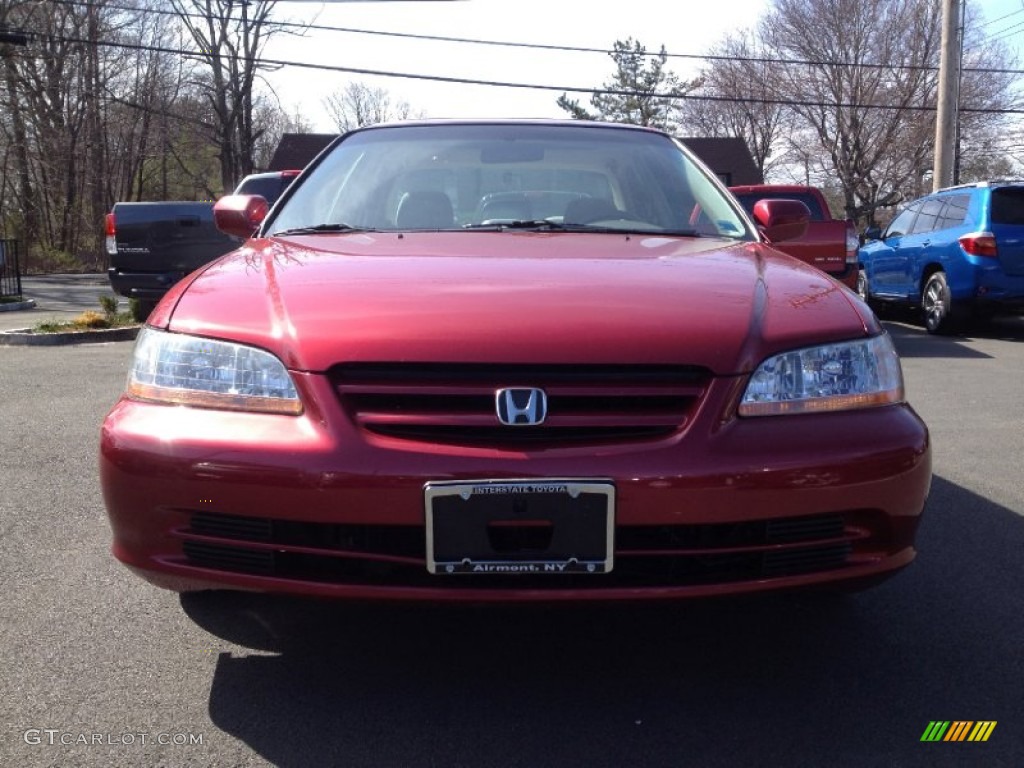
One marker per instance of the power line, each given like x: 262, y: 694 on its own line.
x: 528, y: 86
x: 1008, y: 148
x: 536, y: 46
x: 1007, y: 32
x: 1001, y: 18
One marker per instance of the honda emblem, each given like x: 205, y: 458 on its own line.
x: 521, y: 407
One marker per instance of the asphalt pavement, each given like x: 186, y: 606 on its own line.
x: 57, y: 298
x: 101, y: 669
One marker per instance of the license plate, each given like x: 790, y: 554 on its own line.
x: 511, y: 527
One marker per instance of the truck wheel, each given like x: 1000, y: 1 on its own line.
x: 862, y: 286
x: 141, y: 309
x: 937, y: 304
x: 881, y: 309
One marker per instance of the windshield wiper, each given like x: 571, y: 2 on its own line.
x: 516, y: 224
x: 680, y: 233
x: 546, y: 224
x: 318, y: 229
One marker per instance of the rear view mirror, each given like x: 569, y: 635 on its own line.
x: 512, y: 152
x: 781, y: 220
x: 240, y: 215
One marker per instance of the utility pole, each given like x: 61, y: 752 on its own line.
x: 949, y: 79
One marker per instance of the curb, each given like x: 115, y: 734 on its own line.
x: 28, y: 337
x: 18, y: 306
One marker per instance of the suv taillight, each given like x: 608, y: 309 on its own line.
x: 979, y: 244
x: 852, y: 242
x: 111, y: 232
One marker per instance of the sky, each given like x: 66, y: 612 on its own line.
x: 689, y: 28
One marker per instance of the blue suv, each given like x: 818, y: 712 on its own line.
x: 957, y: 253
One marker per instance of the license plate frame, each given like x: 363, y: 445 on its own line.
x: 473, y: 527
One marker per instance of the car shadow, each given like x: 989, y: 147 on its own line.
x: 912, y: 340
x: 1000, y: 328
x: 800, y: 680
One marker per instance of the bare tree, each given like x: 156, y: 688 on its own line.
x: 841, y: 93
x: 642, y: 91
x: 24, y: 222
x: 48, y: 94
x: 230, y: 36
x: 358, y: 104
x: 146, y: 101
x: 987, y: 140
x: 865, y: 101
x: 91, y: 113
x: 864, y: 118
x: 277, y: 124
x: 740, y: 100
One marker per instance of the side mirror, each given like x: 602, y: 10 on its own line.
x: 873, y: 233
x: 240, y: 215
x: 781, y: 220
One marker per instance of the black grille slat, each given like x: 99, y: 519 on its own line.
x: 803, y: 529
x: 225, y: 558
x: 793, y: 562
x: 396, y: 541
x: 521, y: 435
x: 486, y: 373
x: 694, y: 537
x: 231, y: 527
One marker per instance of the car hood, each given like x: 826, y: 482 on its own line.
x: 514, y: 297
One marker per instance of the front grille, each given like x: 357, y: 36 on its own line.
x: 455, y: 403
x: 645, y: 556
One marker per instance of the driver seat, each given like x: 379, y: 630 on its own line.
x: 425, y: 209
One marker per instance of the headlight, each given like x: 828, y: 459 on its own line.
x: 833, y: 377
x: 189, y: 370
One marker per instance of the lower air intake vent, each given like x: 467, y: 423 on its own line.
x: 222, y: 558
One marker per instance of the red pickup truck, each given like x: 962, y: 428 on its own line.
x: 829, y: 244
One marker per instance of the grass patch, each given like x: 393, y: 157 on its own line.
x: 91, y: 320
x: 87, y: 321
x: 10, y: 299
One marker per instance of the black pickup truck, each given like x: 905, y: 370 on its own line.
x: 153, y: 245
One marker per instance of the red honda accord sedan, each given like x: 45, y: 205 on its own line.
x: 512, y: 360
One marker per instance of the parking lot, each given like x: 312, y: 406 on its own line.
x: 101, y: 669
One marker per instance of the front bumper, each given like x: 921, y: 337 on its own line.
x: 212, y: 500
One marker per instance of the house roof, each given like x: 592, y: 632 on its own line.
x: 728, y: 157
x: 295, y: 150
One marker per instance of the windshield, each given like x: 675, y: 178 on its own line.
x: 460, y: 177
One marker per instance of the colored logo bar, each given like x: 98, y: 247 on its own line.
x: 958, y: 730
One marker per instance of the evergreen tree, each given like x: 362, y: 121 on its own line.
x: 642, y: 91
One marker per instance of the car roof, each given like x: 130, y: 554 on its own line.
x: 541, y: 121
x: 744, y: 189
x: 982, y: 185
x: 272, y: 175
